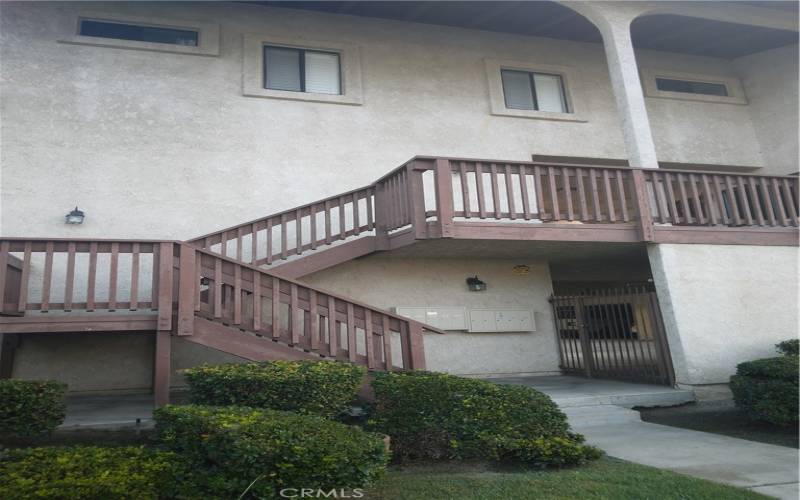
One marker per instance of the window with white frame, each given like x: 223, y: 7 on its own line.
x: 533, y: 91
x: 666, y: 84
x: 691, y: 87
x: 302, y: 70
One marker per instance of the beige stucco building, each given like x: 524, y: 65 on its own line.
x: 166, y: 121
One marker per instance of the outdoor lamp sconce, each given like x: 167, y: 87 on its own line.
x: 75, y: 217
x: 475, y: 284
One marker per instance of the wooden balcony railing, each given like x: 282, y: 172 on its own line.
x: 86, y: 285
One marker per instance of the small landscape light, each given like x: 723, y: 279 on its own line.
x: 475, y: 284
x: 75, y: 217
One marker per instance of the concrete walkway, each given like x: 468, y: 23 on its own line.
x: 764, y: 468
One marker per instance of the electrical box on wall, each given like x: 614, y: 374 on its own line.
x: 446, y: 318
x: 501, y: 320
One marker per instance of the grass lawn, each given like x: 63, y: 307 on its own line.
x: 727, y: 421
x: 607, y: 479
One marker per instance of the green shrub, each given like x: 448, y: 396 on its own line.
x: 322, y: 388
x: 789, y: 347
x: 766, y: 389
x: 233, y: 447
x: 433, y: 415
x: 84, y: 472
x: 30, y: 407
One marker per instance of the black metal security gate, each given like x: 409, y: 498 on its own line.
x: 613, y: 333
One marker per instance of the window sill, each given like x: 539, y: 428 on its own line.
x: 301, y: 96
x: 539, y: 115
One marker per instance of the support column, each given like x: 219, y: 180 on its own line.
x: 627, y: 89
x: 162, y: 367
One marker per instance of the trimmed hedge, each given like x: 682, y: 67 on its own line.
x: 85, y: 472
x: 30, y: 407
x: 433, y: 416
x: 236, y: 448
x: 322, y: 388
x: 766, y: 389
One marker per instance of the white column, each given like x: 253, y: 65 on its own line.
x: 628, y: 93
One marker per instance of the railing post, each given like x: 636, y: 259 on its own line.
x: 162, y: 362
x: 416, y: 342
x: 186, y: 290
x: 444, y: 196
x: 416, y: 200
x: 165, y: 265
x: 381, y: 217
x: 642, y: 200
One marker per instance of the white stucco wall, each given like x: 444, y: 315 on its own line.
x: 723, y: 305
x: 771, y: 83
x: 389, y: 282
x: 163, y: 145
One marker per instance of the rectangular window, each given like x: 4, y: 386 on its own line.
x: 533, y: 91
x: 690, y: 87
x: 302, y: 70
x: 137, y: 32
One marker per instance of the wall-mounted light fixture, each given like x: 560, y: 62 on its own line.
x: 475, y: 284
x: 75, y: 217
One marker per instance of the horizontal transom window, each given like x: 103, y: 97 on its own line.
x: 691, y: 87
x: 533, y: 91
x: 138, y: 32
x: 302, y: 70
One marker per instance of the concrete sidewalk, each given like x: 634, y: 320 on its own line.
x: 763, y: 468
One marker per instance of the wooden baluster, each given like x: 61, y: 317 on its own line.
x: 26, y: 271
x: 567, y: 185
x: 298, y: 230
x: 217, y: 288
x: 698, y: 209
x: 269, y: 241
x: 198, y: 276
x: 612, y: 214
x: 189, y: 283
x: 356, y: 221
x: 581, y: 194
x: 253, y: 244
x: 328, y: 238
x: 789, y: 201
x: 495, y: 191
x: 661, y: 207
x: 405, y: 346
x: 237, y: 295
x: 763, y: 184
x: 710, y: 208
x: 92, y: 277
x: 239, y: 244
x: 69, y: 282
x: 387, y: 344
x: 732, y: 200
x: 294, y: 315
x: 687, y: 214
x: 744, y: 201
x: 284, y: 237
x: 479, y: 190
x: 779, y: 203
x: 333, y: 329
x: 551, y: 175
x: 368, y: 339
x: 276, y: 308
x: 48, y: 275
x: 623, y: 202
x: 723, y: 210
x: 598, y: 214
x: 313, y: 317
x: 512, y: 211
x: 351, y: 333
x: 342, y: 219
x: 223, y: 250
x: 313, y: 225
x: 370, y: 197
x: 755, y: 203
x: 256, y: 301
x: 462, y: 173
x: 538, y: 192
x: 113, y: 275
x: 673, y: 208
x: 133, y: 304
x: 526, y: 202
